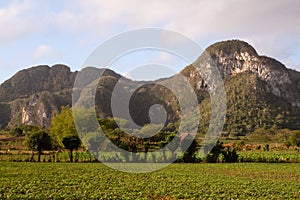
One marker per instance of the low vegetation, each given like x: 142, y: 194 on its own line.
x: 177, y: 181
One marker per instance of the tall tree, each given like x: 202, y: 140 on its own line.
x: 62, y: 125
x: 39, y: 141
x: 71, y: 142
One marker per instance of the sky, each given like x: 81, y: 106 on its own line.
x: 61, y: 31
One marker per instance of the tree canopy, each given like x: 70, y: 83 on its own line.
x: 62, y: 125
x: 39, y: 141
x: 71, y: 142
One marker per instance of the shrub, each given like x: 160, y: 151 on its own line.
x: 267, y: 147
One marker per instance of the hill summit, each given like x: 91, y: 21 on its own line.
x: 261, y: 92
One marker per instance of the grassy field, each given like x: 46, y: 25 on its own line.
x: 177, y: 181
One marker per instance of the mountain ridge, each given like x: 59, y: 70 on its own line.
x: 31, y: 95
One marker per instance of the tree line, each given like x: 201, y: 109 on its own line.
x: 62, y: 134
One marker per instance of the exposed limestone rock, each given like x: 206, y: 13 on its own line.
x: 32, y: 95
x: 243, y: 58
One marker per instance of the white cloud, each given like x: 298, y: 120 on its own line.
x: 16, y: 21
x: 201, y: 20
x: 197, y: 19
x: 266, y: 25
x: 44, y: 51
x: 193, y: 18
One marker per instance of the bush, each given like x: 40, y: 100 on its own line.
x: 295, y: 138
x: 267, y: 147
x: 230, y: 155
x: 221, y: 154
x: 239, y: 145
x: 248, y: 149
x: 18, y: 132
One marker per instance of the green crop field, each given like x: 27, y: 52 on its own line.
x: 177, y: 181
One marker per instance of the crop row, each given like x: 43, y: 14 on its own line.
x: 267, y: 157
x: 243, y: 156
x: 177, y: 181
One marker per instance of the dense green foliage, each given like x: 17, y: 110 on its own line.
x: 128, y: 139
x: 230, y: 46
x: 62, y: 125
x: 39, y: 141
x: 71, y: 142
x: 281, y: 156
x: 269, y: 157
x: 221, y: 154
x: 250, y: 107
x: 177, y: 181
x: 24, y: 130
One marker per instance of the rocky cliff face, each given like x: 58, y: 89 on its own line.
x: 37, y: 79
x: 38, y: 109
x: 235, y: 57
x: 31, y: 96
